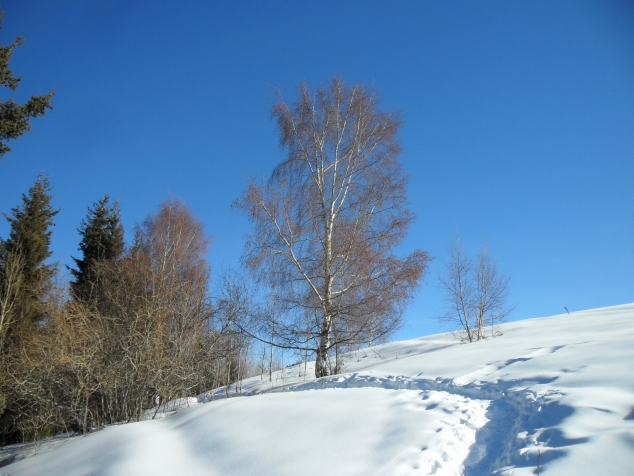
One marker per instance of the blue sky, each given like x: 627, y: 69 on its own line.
x: 519, y: 123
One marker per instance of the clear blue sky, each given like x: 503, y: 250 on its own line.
x: 519, y: 126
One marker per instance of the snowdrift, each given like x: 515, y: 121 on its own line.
x: 555, y: 393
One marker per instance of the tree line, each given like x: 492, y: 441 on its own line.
x: 134, y: 328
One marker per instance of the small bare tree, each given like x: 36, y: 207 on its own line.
x: 326, y: 221
x: 476, y: 294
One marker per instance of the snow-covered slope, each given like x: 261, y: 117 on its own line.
x: 556, y: 391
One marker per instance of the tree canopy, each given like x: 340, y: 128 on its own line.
x: 29, y: 241
x: 14, y: 117
x: 101, y: 240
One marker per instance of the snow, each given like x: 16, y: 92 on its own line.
x: 561, y: 386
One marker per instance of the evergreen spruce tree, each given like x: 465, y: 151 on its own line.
x: 14, y: 117
x: 102, y: 240
x: 29, y: 240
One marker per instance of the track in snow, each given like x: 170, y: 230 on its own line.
x: 509, y: 409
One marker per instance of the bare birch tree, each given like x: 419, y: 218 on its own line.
x: 476, y: 294
x: 326, y: 221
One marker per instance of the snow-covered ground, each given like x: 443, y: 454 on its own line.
x: 556, y: 390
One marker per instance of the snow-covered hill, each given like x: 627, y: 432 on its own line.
x: 556, y: 391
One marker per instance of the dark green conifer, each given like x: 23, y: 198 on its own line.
x: 101, y: 240
x: 30, y: 240
x: 14, y: 117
